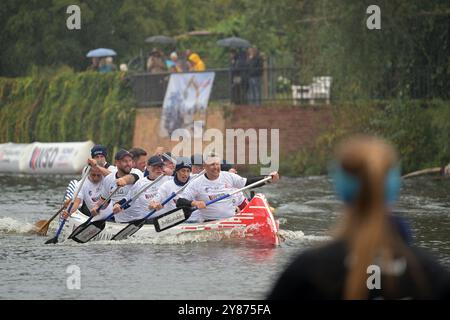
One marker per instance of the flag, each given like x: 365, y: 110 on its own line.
x: 187, y: 96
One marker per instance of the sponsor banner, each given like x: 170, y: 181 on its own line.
x: 186, y: 99
x: 45, y: 158
x: 10, y: 154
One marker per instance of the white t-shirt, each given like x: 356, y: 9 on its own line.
x: 109, y: 185
x: 203, y: 189
x: 139, y: 207
x: 166, y: 191
x: 90, y: 193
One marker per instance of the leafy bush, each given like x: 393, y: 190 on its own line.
x: 67, y: 106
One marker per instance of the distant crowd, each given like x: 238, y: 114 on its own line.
x: 246, y: 69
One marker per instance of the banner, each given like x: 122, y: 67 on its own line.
x: 186, y: 99
x: 45, y: 158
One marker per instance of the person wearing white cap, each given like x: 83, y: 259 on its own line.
x: 213, y: 184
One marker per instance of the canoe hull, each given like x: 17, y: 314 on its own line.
x: 255, y: 222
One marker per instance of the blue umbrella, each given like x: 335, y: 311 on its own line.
x: 101, y: 52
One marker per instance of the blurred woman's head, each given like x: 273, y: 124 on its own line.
x: 366, y: 176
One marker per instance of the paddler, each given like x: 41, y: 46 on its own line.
x: 89, y: 193
x: 120, y: 177
x: 215, y: 183
x: 138, y: 208
x: 98, y: 158
x: 182, y: 176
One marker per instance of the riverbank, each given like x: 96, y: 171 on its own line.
x: 68, y: 106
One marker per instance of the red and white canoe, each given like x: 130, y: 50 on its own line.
x: 255, y: 222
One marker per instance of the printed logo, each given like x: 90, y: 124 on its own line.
x: 43, y: 158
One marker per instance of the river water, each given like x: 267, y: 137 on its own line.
x: 187, y: 267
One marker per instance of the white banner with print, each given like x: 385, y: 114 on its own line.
x: 187, y: 96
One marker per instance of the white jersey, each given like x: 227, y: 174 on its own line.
x: 108, y: 186
x: 139, y: 207
x: 165, y: 192
x: 203, y: 189
x: 90, y: 193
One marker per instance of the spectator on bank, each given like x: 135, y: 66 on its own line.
x: 239, y: 76
x: 155, y: 62
x: 173, y: 65
x: 106, y: 65
x: 123, y: 67
x: 196, y: 63
x: 94, y: 65
x: 255, y: 71
x: 371, y: 257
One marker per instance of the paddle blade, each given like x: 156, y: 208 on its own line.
x: 89, y: 232
x: 129, y: 230
x: 53, y: 240
x: 171, y: 219
x: 78, y: 229
x: 41, y: 227
x: 43, y: 230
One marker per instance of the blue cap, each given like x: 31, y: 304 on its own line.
x: 155, y: 161
x: 98, y: 149
x: 183, y: 163
x: 122, y: 153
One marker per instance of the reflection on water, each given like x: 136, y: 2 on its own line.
x: 187, y: 267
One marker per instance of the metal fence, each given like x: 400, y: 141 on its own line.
x: 293, y: 86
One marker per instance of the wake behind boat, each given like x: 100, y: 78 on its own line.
x: 255, y: 223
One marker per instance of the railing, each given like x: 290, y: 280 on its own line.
x: 290, y: 85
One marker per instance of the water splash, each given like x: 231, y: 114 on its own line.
x: 289, y: 235
x: 10, y: 225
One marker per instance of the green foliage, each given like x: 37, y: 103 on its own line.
x: 67, y: 106
x: 419, y: 130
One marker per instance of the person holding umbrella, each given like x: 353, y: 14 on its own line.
x: 94, y: 65
x: 96, y: 54
x: 155, y: 62
x: 238, y: 67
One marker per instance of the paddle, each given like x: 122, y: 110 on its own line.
x: 84, y: 224
x: 41, y: 226
x: 55, y: 238
x: 94, y: 228
x: 178, y: 215
x: 422, y: 172
x: 134, y: 226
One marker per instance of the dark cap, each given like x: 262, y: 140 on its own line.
x: 225, y: 166
x: 122, y: 153
x: 98, y: 149
x: 183, y: 163
x: 155, y: 161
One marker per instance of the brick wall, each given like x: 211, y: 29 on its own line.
x: 298, y: 126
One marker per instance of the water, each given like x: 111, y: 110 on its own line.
x: 187, y: 267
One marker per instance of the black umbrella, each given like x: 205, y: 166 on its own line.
x: 234, y: 42
x: 161, y: 40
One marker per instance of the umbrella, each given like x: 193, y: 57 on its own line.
x: 234, y: 42
x: 161, y: 40
x: 101, y: 52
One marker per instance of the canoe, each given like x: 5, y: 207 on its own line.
x: 255, y: 222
